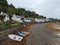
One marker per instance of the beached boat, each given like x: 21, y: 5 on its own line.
x: 22, y: 33
x: 15, y: 37
x: 26, y: 32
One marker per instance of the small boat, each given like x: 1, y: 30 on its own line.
x: 15, y: 37
x: 22, y: 33
x: 26, y: 32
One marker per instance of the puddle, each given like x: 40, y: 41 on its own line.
x: 58, y: 34
x: 56, y: 26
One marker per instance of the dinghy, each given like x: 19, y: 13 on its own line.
x: 22, y: 33
x: 26, y: 32
x: 15, y: 37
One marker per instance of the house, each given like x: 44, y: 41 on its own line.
x: 17, y: 18
x: 2, y: 13
x: 6, y: 18
x: 27, y: 20
x: 47, y: 20
x: 39, y: 20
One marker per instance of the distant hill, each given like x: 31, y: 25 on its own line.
x: 10, y: 9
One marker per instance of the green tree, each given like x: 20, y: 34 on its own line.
x: 2, y: 17
x: 1, y: 8
x: 4, y: 5
x: 10, y: 12
x: 53, y: 19
x: 11, y: 6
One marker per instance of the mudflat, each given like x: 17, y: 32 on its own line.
x: 41, y: 35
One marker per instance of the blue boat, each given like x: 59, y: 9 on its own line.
x: 22, y: 33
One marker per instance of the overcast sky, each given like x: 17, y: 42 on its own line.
x: 48, y: 8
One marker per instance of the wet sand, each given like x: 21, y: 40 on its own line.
x: 40, y: 35
x: 56, y: 26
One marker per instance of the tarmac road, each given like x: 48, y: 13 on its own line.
x: 39, y: 35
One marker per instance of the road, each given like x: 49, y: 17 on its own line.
x: 39, y: 35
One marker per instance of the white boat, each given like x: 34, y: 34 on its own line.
x: 15, y: 37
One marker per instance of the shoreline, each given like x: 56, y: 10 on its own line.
x: 55, y: 27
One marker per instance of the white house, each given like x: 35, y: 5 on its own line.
x: 27, y: 20
x: 6, y: 18
x: 17, y: 18
x: 47, y: 19
x: 39, y: 20
x: 2, y: 13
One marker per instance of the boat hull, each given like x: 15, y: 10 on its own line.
x: 15, y: 37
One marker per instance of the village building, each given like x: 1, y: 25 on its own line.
x: 14, y: 17
x: 27, y: 20
x: 2, y: 13
x: 6, y: 18
x: 17, y: 18
x: 41, y: 20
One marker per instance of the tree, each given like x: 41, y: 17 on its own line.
x: 4, y: 5
x: 40, y: 16
x: 53, y: 20
x: 2, y: 17
x: 10, y: 9
x: 10, y: 12
x: 44, y: 17
x: 11, y: 6
x: 1, y: 8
